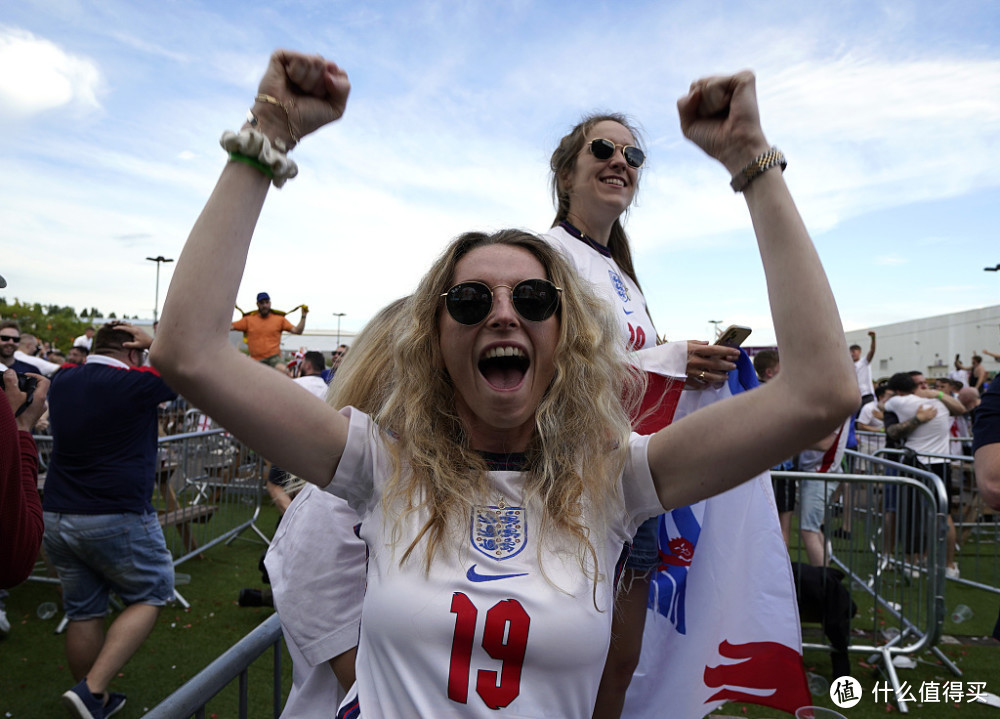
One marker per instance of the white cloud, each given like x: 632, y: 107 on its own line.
x: 37, y: 75
x: 885, y: 117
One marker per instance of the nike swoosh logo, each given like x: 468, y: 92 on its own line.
x: 628, y: 312
x: 473, y: 576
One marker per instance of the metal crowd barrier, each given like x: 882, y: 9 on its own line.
x: 191, y: 698
x: 869, y: 442
x: 977, y: 526
x: 209, y: 489
x: 885, y: 529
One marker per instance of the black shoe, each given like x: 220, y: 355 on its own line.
x: 251, y: 598
x: 255, y: 598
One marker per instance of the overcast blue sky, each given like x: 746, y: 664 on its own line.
x: 889, y: 113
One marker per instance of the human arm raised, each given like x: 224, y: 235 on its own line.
x: 729, y: 442
x: 871, y: 350
x: 300, y: 327
x: 296, y: 430
x: 988, y: 474
x: 994, y: 355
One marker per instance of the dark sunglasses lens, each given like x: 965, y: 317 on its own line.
x: 469, y: 303
x: 602, y: 149
x: 535, y: 300
x: 634, y: 156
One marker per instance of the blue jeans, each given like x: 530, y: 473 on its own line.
x: 96, y: 554
x: 644, y: 556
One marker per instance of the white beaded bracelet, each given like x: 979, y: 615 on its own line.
x: 254, y: 145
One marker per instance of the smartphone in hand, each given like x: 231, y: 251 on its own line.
x: 733, y: 336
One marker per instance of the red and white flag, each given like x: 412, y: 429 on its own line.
x: 723, y: 622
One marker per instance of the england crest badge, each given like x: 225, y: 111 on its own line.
x: 500, y: 532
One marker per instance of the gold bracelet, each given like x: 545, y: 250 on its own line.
x: 757, y: 167
x: 270, y: 100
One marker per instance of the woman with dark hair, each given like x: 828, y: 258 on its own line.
x: 499, y: 477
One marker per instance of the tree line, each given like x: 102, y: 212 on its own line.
x: 55, y: 324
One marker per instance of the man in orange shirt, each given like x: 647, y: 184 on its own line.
x: 263, y: 330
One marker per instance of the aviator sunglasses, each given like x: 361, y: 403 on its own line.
x: 469, y: 303
x: 603, y: 149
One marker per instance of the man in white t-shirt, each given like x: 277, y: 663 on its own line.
x: 86, y: 340
x: 870, y: 419
x: 924, y: 425
x: 863, y: 369
x: 960, y: 373
x: 311, y: 377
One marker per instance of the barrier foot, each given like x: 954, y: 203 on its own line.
x: 181, y: 600
x: 263, y: 537
x: 890, y: 670
x: 946, y: 661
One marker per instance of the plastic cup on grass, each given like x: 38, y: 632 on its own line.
x: 961, y: 613
x: 47, y: 610
x: 818, y: 685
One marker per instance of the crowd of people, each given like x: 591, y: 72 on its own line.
x: 502, y: 448
x: 931, y: 418
x: 500, y: 398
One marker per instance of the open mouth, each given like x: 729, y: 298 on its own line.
x: 504, y: 368
x: 616, y: 181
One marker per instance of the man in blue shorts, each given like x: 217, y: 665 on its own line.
x: 101, y: 530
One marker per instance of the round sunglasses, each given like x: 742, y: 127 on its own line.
x: 469, y: 303
x: 603, y: 149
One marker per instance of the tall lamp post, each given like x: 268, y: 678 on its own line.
x: 716, y: 327
x: 158, y: 260
x: 338, y: 315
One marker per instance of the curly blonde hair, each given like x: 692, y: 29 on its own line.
x: 582, y: 423
x: 365, y: 375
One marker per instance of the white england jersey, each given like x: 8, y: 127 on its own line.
x: 484, y: 633
x: 598, y: 268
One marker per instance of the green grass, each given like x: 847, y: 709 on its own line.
x: 978, y: 663
x: 977, y: 656
x: 33, y: 672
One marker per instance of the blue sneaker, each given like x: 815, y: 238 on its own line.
x: 116, y: 702
x: 82, y: 704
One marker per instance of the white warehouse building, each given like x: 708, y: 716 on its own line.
x: 931, y: 343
